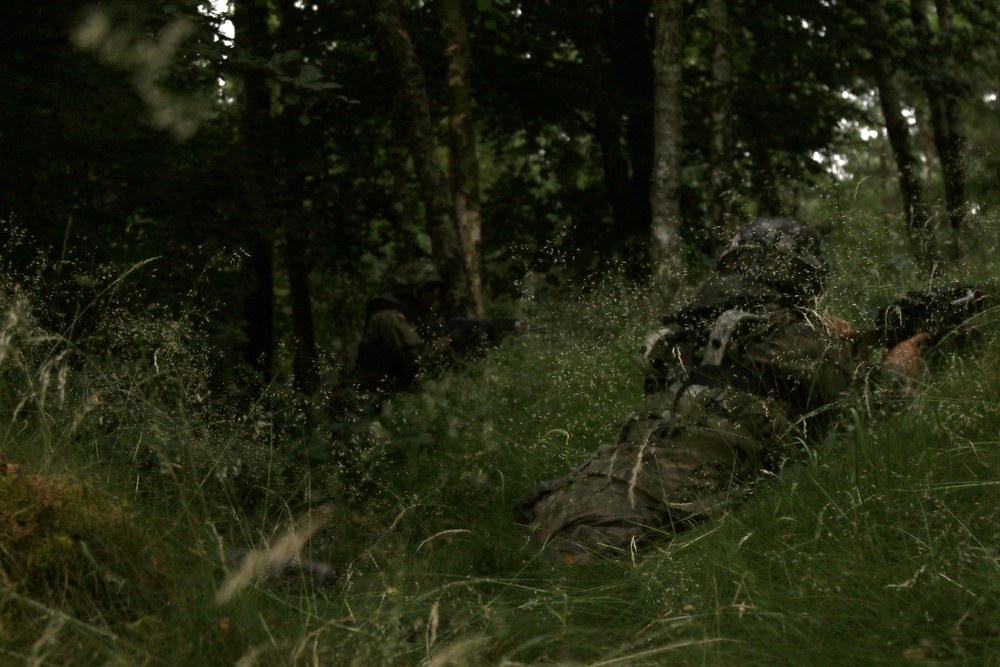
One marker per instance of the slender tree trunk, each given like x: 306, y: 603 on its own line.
x: 934, y: 89
x: 304, y: 365
x: 251, y: 37
x: 763, y: 181
x: 591, y: 32
x: 721, y: 154
x: 419, y: 129
x: 946, y: 111
x: 890, y: 100
x: 668, y: 64
x: 463, y: 162
x: 632, y: 62
x: 295, y: 214
x: 954, y: 173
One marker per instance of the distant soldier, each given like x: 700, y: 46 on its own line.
x: 736, y: 382
x: 398, y: 343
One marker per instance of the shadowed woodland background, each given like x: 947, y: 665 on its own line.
x: 196, y: 200
x: 273, y: 178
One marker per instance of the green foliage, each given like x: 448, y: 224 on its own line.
x: 136, y: 482
x: 122, y: 331
x: 66, y: 544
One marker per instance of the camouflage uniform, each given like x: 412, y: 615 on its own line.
x: 764, y: 376
x: 397, y: 344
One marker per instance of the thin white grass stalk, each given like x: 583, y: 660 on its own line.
x: 636, y: 469
x: 656, y: 651
x: 456, y: 652
x: 453, y: 531
x: 251, y: 658
x: 972, y: 536
x: 909, y: 582
x: 10, y: 321
x: 433, y: 622
x: 14, y: 654
x: 56, y: 614
x: 230, y: 443
x: 113, y: 287
x: 80, y: 414
x: 949, y: 579
x: 949, y: 486
x: 42, y: 647
x: 52, y: 363
x: 258, y: 561
x: 314, y: 637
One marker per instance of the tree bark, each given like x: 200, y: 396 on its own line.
x: 931, y: 80
x: 590, y: 40
x: 890, y: 100
x: 294, y: 214
x: 763, y: 181
x: 946, y: 114
x: 463, y: 162
x: 251, y: 37
x: 632, y: 62
x: 954, y: 170
x: 304, y: 365
x: 668, y: 64
x: 721, y: 154
x: 439, y: 207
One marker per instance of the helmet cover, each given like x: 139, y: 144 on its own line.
x: 416, y: 276
x: 780, y: 252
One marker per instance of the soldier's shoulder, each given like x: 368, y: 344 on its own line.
x: 389, y: 317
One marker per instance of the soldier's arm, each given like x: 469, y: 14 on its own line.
x: 405, y: 343
x: 907, y: 357
x: 825, y: 354
x: 399, y: 339
x: 891, y: 386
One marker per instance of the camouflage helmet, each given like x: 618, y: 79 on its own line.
x: 416, y: 276
x: 779, y: 252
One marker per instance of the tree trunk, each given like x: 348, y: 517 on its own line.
x: 463, y: 163
x: 946, y: 114
x: 668, y: 64
x: 890, y: 100
x: 934, y: 90
x: 293, y: 163
x: 304, y: 365
x: 721, y: 154
x: 419, y: 129
x: 251, y: 37
x: 590, y: 40
x: 954, y: 169
x: 763, y: 181
x: 632, y: 63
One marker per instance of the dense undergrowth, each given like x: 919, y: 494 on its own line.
x: 127, y: 487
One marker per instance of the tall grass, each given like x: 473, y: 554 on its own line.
x: 880, y: 548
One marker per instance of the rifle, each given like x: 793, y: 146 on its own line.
x: 951, y: 312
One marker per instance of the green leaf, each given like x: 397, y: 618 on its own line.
x: 310, y: 73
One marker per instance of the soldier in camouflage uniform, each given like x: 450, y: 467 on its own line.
x: 734, y: 383
x: 397, y: 344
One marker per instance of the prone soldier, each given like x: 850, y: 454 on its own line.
x: 734, y: 383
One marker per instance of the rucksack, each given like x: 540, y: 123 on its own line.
x: 696, y: 346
